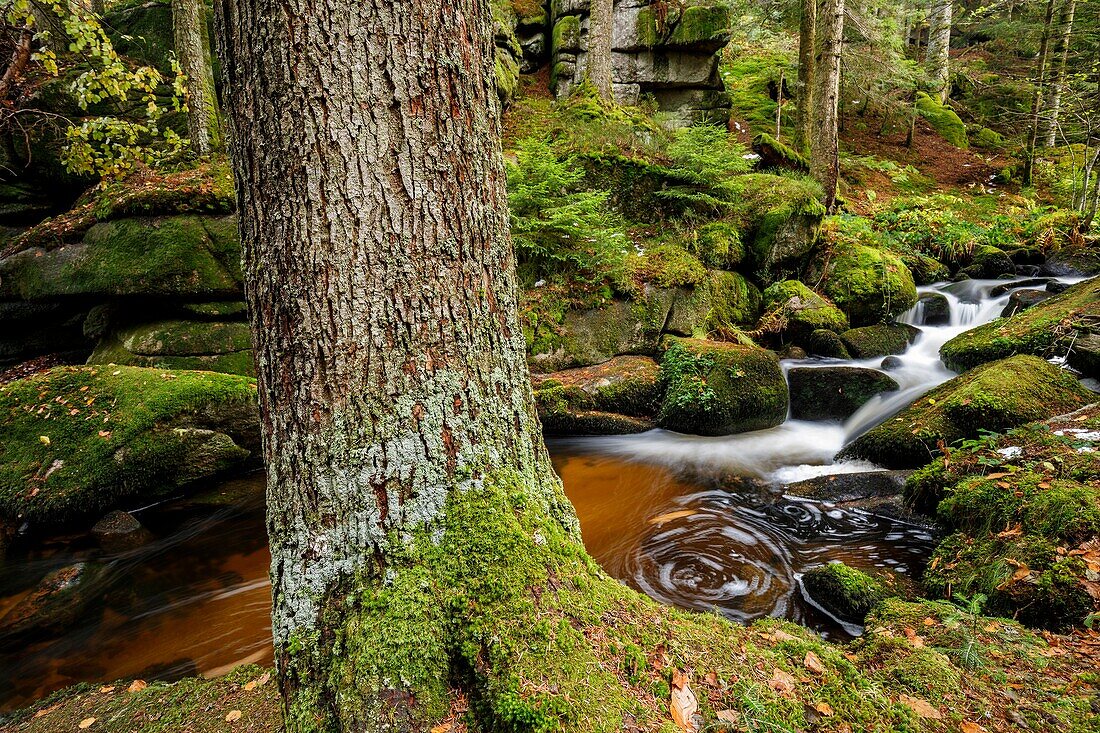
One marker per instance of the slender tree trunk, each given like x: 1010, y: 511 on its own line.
x: 807, y: 40
x: 824, y: 148
x: 599, y: 47
x: 382, y: 297
x: 938, y: 60
x: 99, y: 7
x: 1052, y: 102
x: 193, y: 50
x: 1037, y: 99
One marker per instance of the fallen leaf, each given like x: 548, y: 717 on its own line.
x: 45, y: 440
x: 86, y: 723
x: 137, y: 686
x: 782, y: 682
x: 662, y: 519
x: 929, y: 621
x: 1012, y: 532
x: 968, y: 727
x: 443, y: 727
x: 106, y: 689
x: 778, y: 636
x: 728, y: 716
x: 813, y: 663
x: 234, y: 715
x: 914, y: 638
x: 824, y: 708
x: 920, y: 707
x: 683, y: 705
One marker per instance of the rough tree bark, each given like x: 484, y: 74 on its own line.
x: 807, y: 40
x: 938, y: 60
x: 824, y: 148
x: 1037, y: 99
x: 599, y: 47
x: 1052, y: 102
x: 192, y: 41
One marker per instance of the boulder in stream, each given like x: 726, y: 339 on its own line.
x: 53, y: 603
x: 619, y: 396
x: 718, y: 388
x: 826, y: 343
x: 846, y: 593
x: 1021, y: 300
x: 992, y: 397
x: 834, y: 393
x: 120, y: 531
x: 879, y: 340
x: 869, y: 284
x: 935, y: 310
x: 801, y: 310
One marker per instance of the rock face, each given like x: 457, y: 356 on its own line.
x: 833, y: 393
x: 714, y: 388
x: 664, y: 50
x: 880, y: 340
x: 994, y: 397
x: 619, y: 396
x: 76, y: 442
x: 217, y: 346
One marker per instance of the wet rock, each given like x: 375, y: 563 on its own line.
x: 828, y: 344
x: 843, y: 488
x: 846, y: 593
x: 801, y: 310
x: 1034, y: 282
x: 56, y: 601
x: 1021, y: 300
x: 935, y: 310
x: 793, y: 352
x: 870, y: 285
x: 925, y: 270
x: 597, y: 335
x: 119, y: 532
x: 1073, y: 262
x: 989, y: 262
x: 717, y: 388
x: 616, y: 397
x: 216, y: 346
x: 592, y: 422
x: 992, y: 397
x: 1056, y: 287
x: 881, y: 340
x: 834, y: 393
x: 1085, y: 355
x: 891, y: 363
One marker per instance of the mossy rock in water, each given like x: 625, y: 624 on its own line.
x: 216, y: 346
x: 924, y: 269
x: 716, y: 388
x: 869, y: 284
x: 76, y: 442
x: 1073, y: 262
x: 943, y: 120
x: 826, y: 343
x: 618, y: 396
x: 179, y: 257
x: 991, y: 397
x: 846, y: 593
x: 988, y: 262
x: 834, y: 393
x: 880, y: 340
x: 1025, y: 510
x: 594, y: 336
x: 801, y: 310
x: 1048, y: 329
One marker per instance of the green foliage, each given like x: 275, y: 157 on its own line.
x: 558, y: 227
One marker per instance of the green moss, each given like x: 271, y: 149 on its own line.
x: 718, y: 244
x: 749, y: 77
x: 879, y: 340
x: 993, y: 397
x: 567, y: 33
x: 733, y: 302
x: 943, y: 120
x: 845, y: 592
x: 75, y: 442
x: 698, y: 26
x: 989, y: 262
x: 925, y: 270
x: 800, y: 311
x: 987, y: 139
x: 714, y: 388
x: 780, y: 217
x: 669, y: 265
x: 774, y: 154
x: 1046, y: 329
x: 869, y: 284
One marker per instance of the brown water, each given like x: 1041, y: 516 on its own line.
x: 196, y: 600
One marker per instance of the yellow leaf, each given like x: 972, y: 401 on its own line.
x: 45, y: 440
x: 968, y: 727
x: 137, y: 686
x: 782, y: 682
x: 683, y: 704
x: 86, y: 723
x: 824, y: 708
x: 920, y: 707
x: 813, y: 663
x: 106, y: 689
x: 442, y: 728
x: 662, y: 519
x: 233, y: 716
x: 728, y: 716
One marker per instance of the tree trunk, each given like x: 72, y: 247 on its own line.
x: 1052, y: 102
x: 382, y: 298
x: 938, y: 60
x: 599, y: 48
x: 1037, y: 99
x: 807, y: 40
x: 824, y: 148
x: 193, y: 51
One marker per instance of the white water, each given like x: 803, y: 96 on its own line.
x: 798, y: 450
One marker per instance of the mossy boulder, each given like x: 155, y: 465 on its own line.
x: 779, y: 219
x: 924, y: 269
x: 216, y: 346
x: 718, y: 244
x: 869, y: 284
x: 834, y: 393
x: 593, y: 336
x: 846, y: 593
x: 823, y: 342
x: 802, y: 310
x: 1070, y: 261
x: 1048, y: 329
x: 992, y: 397
x: 988, y: 262
x: 181, y: 257
x: 732, y: 301
x: 774, y: 154
x: 1025, y: 511
x: 715, y: 388
x: 883, y: 339
x: 943, y: 120
x: 619, y: 396
x: 76, y: 442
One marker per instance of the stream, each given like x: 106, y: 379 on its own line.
x: 696, y: 522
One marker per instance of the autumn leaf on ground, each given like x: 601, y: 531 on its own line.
x: 824, y: 708
x: 442, y: 728
x: 683, y: 705
x: 920, y: 707
x: 86, y: 723
x: 233, y: 715
x: 968, y: 727
x: 813, y: 663
x: 914, y: 638
x: 137, y: 686
x: 781, y: 682
x: 728, y: 716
